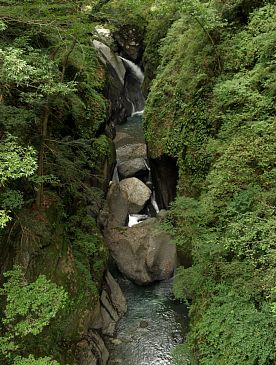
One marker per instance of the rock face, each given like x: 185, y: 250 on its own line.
x: 144, y: 253
x: 165, y: 177
x: 116, y: 295
x: 115, y: 210
x: 92, y: 350
x: 108, y: 57
x: 130, y: 41
x: 129, y: 196
x: 104, y: 170
x: 137, y: 194
x: 120, y: 106
x: 133, y: 82
x: 111, y: 307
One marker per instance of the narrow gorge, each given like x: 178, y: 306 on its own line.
x: 143, y: 253
x: 137, y: 182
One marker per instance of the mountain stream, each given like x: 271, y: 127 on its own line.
x: 154, y: 323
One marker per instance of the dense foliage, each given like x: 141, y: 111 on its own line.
x: 211, y: 107
x: 52, y: 155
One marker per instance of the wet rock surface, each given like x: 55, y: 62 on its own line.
x: 125, y: 197
x: 92, y: 350
x: 165, y: 177
x: 144, y: 253
x: 116, y: 93
x: 115, y: 210
x: 112, y: 307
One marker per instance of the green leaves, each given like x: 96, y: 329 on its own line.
x: 185, y: 221
x: 33, y: 71
x: 11, y: 199
x: 233, y: 328
x: 52, y: 102
x: 4, y: 218
x: 252, y: 237
x: 3, y: 26
x: 15, y: 161
x: 29, y: 308
x: 14, y: 67
x: 204, y: 13
x: 32, y: 361
x: 46, y: 63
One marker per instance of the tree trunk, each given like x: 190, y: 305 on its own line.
x: 44, y: 127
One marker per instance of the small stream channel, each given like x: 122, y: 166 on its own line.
x: 154, y: 323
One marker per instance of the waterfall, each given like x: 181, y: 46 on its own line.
x: 133, y: 81
x: 153, y: 198
x: 115, y: 177
x: 154, y: 202
x: 139, y: 113
x: 136, y: 71
x: 134, y: 219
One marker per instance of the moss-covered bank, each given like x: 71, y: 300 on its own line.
x: 211, y: 107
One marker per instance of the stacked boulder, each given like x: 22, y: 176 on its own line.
x: 144, y: 252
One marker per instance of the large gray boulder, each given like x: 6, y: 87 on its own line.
x: 121, y: 137
x: 129, y: 196
x: 132, y: 168
x: 137, y: 194
x: 131, y: 151
x: 144, y: 252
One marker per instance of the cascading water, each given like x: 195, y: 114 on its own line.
x: 154, y: 323
x: 133, y: 82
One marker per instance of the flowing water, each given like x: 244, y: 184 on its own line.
x: 152, y: 327
x: 155, y: 323
x: 130, y: 132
